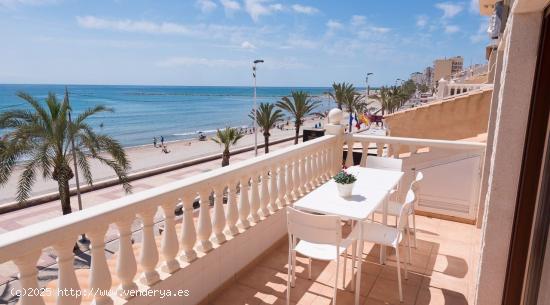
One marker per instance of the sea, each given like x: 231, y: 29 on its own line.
x: 173, y: 112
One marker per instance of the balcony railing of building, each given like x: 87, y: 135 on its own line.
x: 447, y: 89
x: 239, y: 218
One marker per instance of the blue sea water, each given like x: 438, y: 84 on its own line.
x: 144, y: 112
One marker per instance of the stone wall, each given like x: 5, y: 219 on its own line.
x: 454, y: 118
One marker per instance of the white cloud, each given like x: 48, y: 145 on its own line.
x: 449, y: 9
x: 358, y: 20
x: 450, y: 29
x: 303, y: 9
x: 474, y: 6
x: 247, y: 45
x: 230, y: 6
x: 270, y: 63
x: 334, y: 25
x: 257, y: 8
x: 11, y: 4
x: 421, y: 21
x: 380, y: 30
x: 126, y: 25
x: 206, y: 6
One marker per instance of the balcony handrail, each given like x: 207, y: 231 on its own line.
x: 448, y: 144
x: 44, y: 234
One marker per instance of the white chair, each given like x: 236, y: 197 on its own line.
x: 320, y: 237
x: 391, y: 237
x: 384, y: 163
x: 387, y: 164
x: 394, y: 207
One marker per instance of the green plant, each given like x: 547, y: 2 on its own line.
x: 266, y: 117
x: 39, y: 140
x: 344, y: 178
x: 299, y: 107
x: 227, y: 137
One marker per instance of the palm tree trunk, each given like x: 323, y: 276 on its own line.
x: 266, y: 143
x: 350, y: 121
x: 297, y: 133
x: 65, y: 197
x: 225, y: 157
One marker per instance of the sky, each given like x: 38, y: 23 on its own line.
x: 213, y: 42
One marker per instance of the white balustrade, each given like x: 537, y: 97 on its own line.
x: 244, y: 205
x: 290, y: 181
x: 232, y: 212
x: 218, y: 221
x: 254, y: 198
x: 263, y: 185
x: 100, y: 276
x: 283, y: 194
x: 188, y: 233
x: 204, y: 226
x: 126, y: 266
x: 169, y: 243
x: 149, y: 256
x: 26, y: 264
x: 66, y: 277
x: 264, y: 193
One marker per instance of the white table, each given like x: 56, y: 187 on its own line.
x: 371, y: 191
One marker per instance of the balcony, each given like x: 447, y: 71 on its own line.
x: 232, y: 249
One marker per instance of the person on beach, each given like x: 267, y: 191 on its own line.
x: 161, y: 141
x: 155, y: 142
x: 165, y: 149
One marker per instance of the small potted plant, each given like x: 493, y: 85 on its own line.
x: 344, y: 183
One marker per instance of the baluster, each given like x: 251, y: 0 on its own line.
x: 321, y: 169
x: 126, y: 266
x: 349, y: 156
x: 364, y: 153
x: 379, y: 149
x: 396, y: 151
x: 244, y: 205
x: 254, y: 199
x: 282, y: 187
x: 188, y: 233
x: 264, y: 194
x: 298, y: 177
x: 169, y: 243
x: 304, y: 183
x: 290, y: 181
x: 311, y: 171
x: 28, y: 277
x: 315, y: 169
x: 100, y: 276
x: 219, y: 216
x: 149, y: 256
x: 204, y: 225
x: 273, y: 190
x: 67, y: 278
x: 232, y: 211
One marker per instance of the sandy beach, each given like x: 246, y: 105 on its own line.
x: 146, y: 157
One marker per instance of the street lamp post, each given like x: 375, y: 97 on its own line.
x: 83, y: 239
x: 367, y: 89
x: 255, y: 110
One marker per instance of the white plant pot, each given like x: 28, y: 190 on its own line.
x: 344, y: 190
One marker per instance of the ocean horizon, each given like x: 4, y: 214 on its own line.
x: 174, y: 112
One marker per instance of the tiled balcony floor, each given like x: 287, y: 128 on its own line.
x: 442, y: 271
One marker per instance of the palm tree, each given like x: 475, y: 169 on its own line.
x: 300, y: 106
x: 340, y: 91
x: 266, y: 117
x: 385, y: 100
x: 227, y: 137
x: 40, y: 139
x: 352, y: 101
